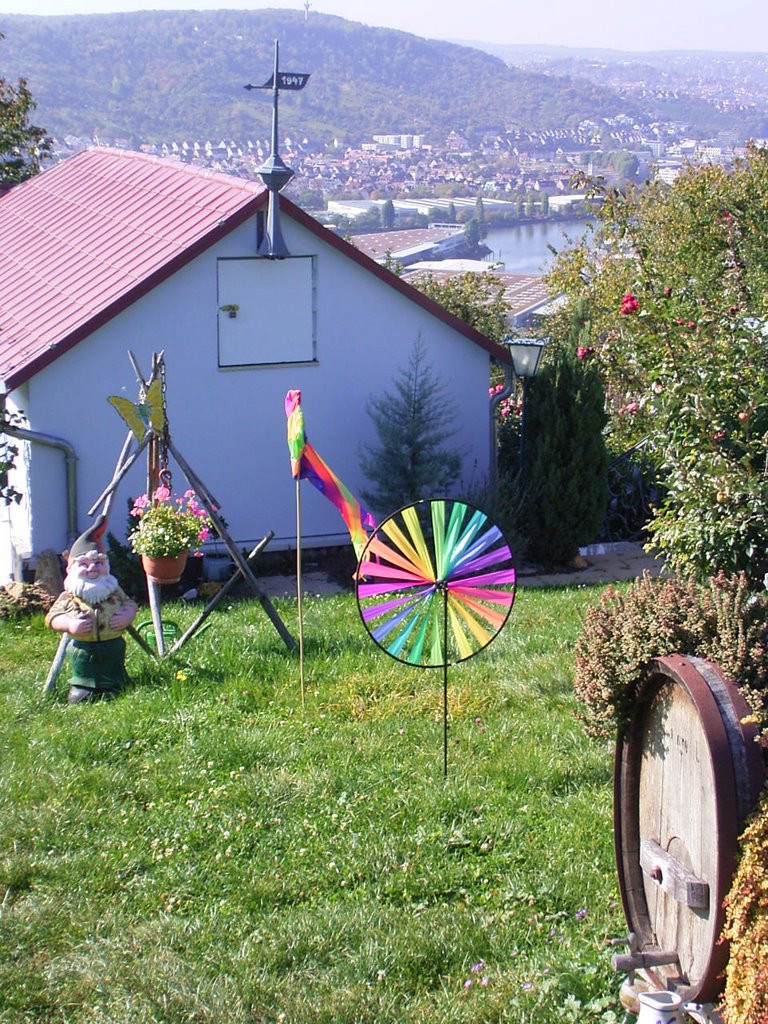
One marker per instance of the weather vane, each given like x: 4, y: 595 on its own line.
x: 274, y: 172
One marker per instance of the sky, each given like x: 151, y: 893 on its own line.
x: 636, y: 25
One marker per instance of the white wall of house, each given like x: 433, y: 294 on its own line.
x: 230, y: 424
x: 15, y: 520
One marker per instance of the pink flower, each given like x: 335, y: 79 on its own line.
x: 139, y: 505
x: 629, y: 304
x: 161, y: 494
x: 583, y: 352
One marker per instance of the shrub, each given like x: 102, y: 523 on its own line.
x: 564, y: 459
x: 720, y: 620
x: 678, y: 316
x: 745, y: 999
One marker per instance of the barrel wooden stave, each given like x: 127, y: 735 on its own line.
x: 687, y: 772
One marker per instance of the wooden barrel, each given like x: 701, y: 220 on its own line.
x: 687, y: 774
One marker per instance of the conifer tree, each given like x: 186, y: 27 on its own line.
x: 387, y: 213
x: 565, y: 458
x: 413, y: 423
x: 482, y: 227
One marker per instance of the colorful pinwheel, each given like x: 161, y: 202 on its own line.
x: 435, y: 583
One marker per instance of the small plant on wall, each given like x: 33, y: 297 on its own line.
x: 231, y: 309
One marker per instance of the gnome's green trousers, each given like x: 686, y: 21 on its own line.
x: 98, y: 665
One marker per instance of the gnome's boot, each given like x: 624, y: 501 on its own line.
x: 80, y: 694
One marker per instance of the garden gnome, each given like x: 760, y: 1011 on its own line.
x: 94, y: 611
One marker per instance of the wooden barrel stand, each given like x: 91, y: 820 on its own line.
x: 687, y: 774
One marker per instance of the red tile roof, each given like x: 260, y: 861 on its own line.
x: 86, y: 238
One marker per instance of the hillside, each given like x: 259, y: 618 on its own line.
x: 148, y: 76
x: 714, y: 93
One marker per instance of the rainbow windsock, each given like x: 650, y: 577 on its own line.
x: 306, y: 464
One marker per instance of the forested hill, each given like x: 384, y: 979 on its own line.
x: 154, y: 75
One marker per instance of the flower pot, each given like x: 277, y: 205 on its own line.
x: 165, y: 568
x: 217, y: 565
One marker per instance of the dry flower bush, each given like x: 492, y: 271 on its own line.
x: 721, y: 620
x: 746, y: 928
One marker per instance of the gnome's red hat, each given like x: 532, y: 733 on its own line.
x: 91, y: 541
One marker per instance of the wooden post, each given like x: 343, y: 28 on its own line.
x: 119, y: 474
x: 157, y: 621
x: 219, y: 596
x: 299, y: 606
x: 57, y: 664
x: 141, y: 642
x: 230, y: 545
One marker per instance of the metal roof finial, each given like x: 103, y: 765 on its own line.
x: 274, y: 172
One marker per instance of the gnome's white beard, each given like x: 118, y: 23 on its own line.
x: 91, y: 591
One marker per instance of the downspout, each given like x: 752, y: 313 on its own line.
x: 70, y: 468
x: 496, y: 400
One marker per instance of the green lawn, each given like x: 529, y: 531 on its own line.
x: 204, y: 849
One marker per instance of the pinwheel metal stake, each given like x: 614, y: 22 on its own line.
x: 435, y: 585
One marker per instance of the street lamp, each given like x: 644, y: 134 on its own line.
x: 526, y: 355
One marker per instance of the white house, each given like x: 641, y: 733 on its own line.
x: 110, y: 252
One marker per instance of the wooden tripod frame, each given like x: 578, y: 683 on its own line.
x: 153, y: 441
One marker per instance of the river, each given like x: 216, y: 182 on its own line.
x: 523, y: 248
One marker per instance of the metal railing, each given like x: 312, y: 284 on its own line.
x: 633, y: 490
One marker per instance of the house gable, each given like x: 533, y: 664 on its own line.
x: 87, y: 238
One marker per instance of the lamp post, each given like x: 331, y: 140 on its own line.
x: 526, y: 356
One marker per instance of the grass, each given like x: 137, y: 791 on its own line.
x: 204, y: 849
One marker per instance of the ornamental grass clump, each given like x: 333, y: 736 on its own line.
x: 721, y: 620
x: 168, y: 524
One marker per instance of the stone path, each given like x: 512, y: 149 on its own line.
x: 608, y: 563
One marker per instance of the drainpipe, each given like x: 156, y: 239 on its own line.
x: 496, y: 401
x: 70, y: 466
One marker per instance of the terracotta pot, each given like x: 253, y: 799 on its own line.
x: 165, y: 568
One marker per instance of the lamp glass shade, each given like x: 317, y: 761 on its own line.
x: 526, y: 354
